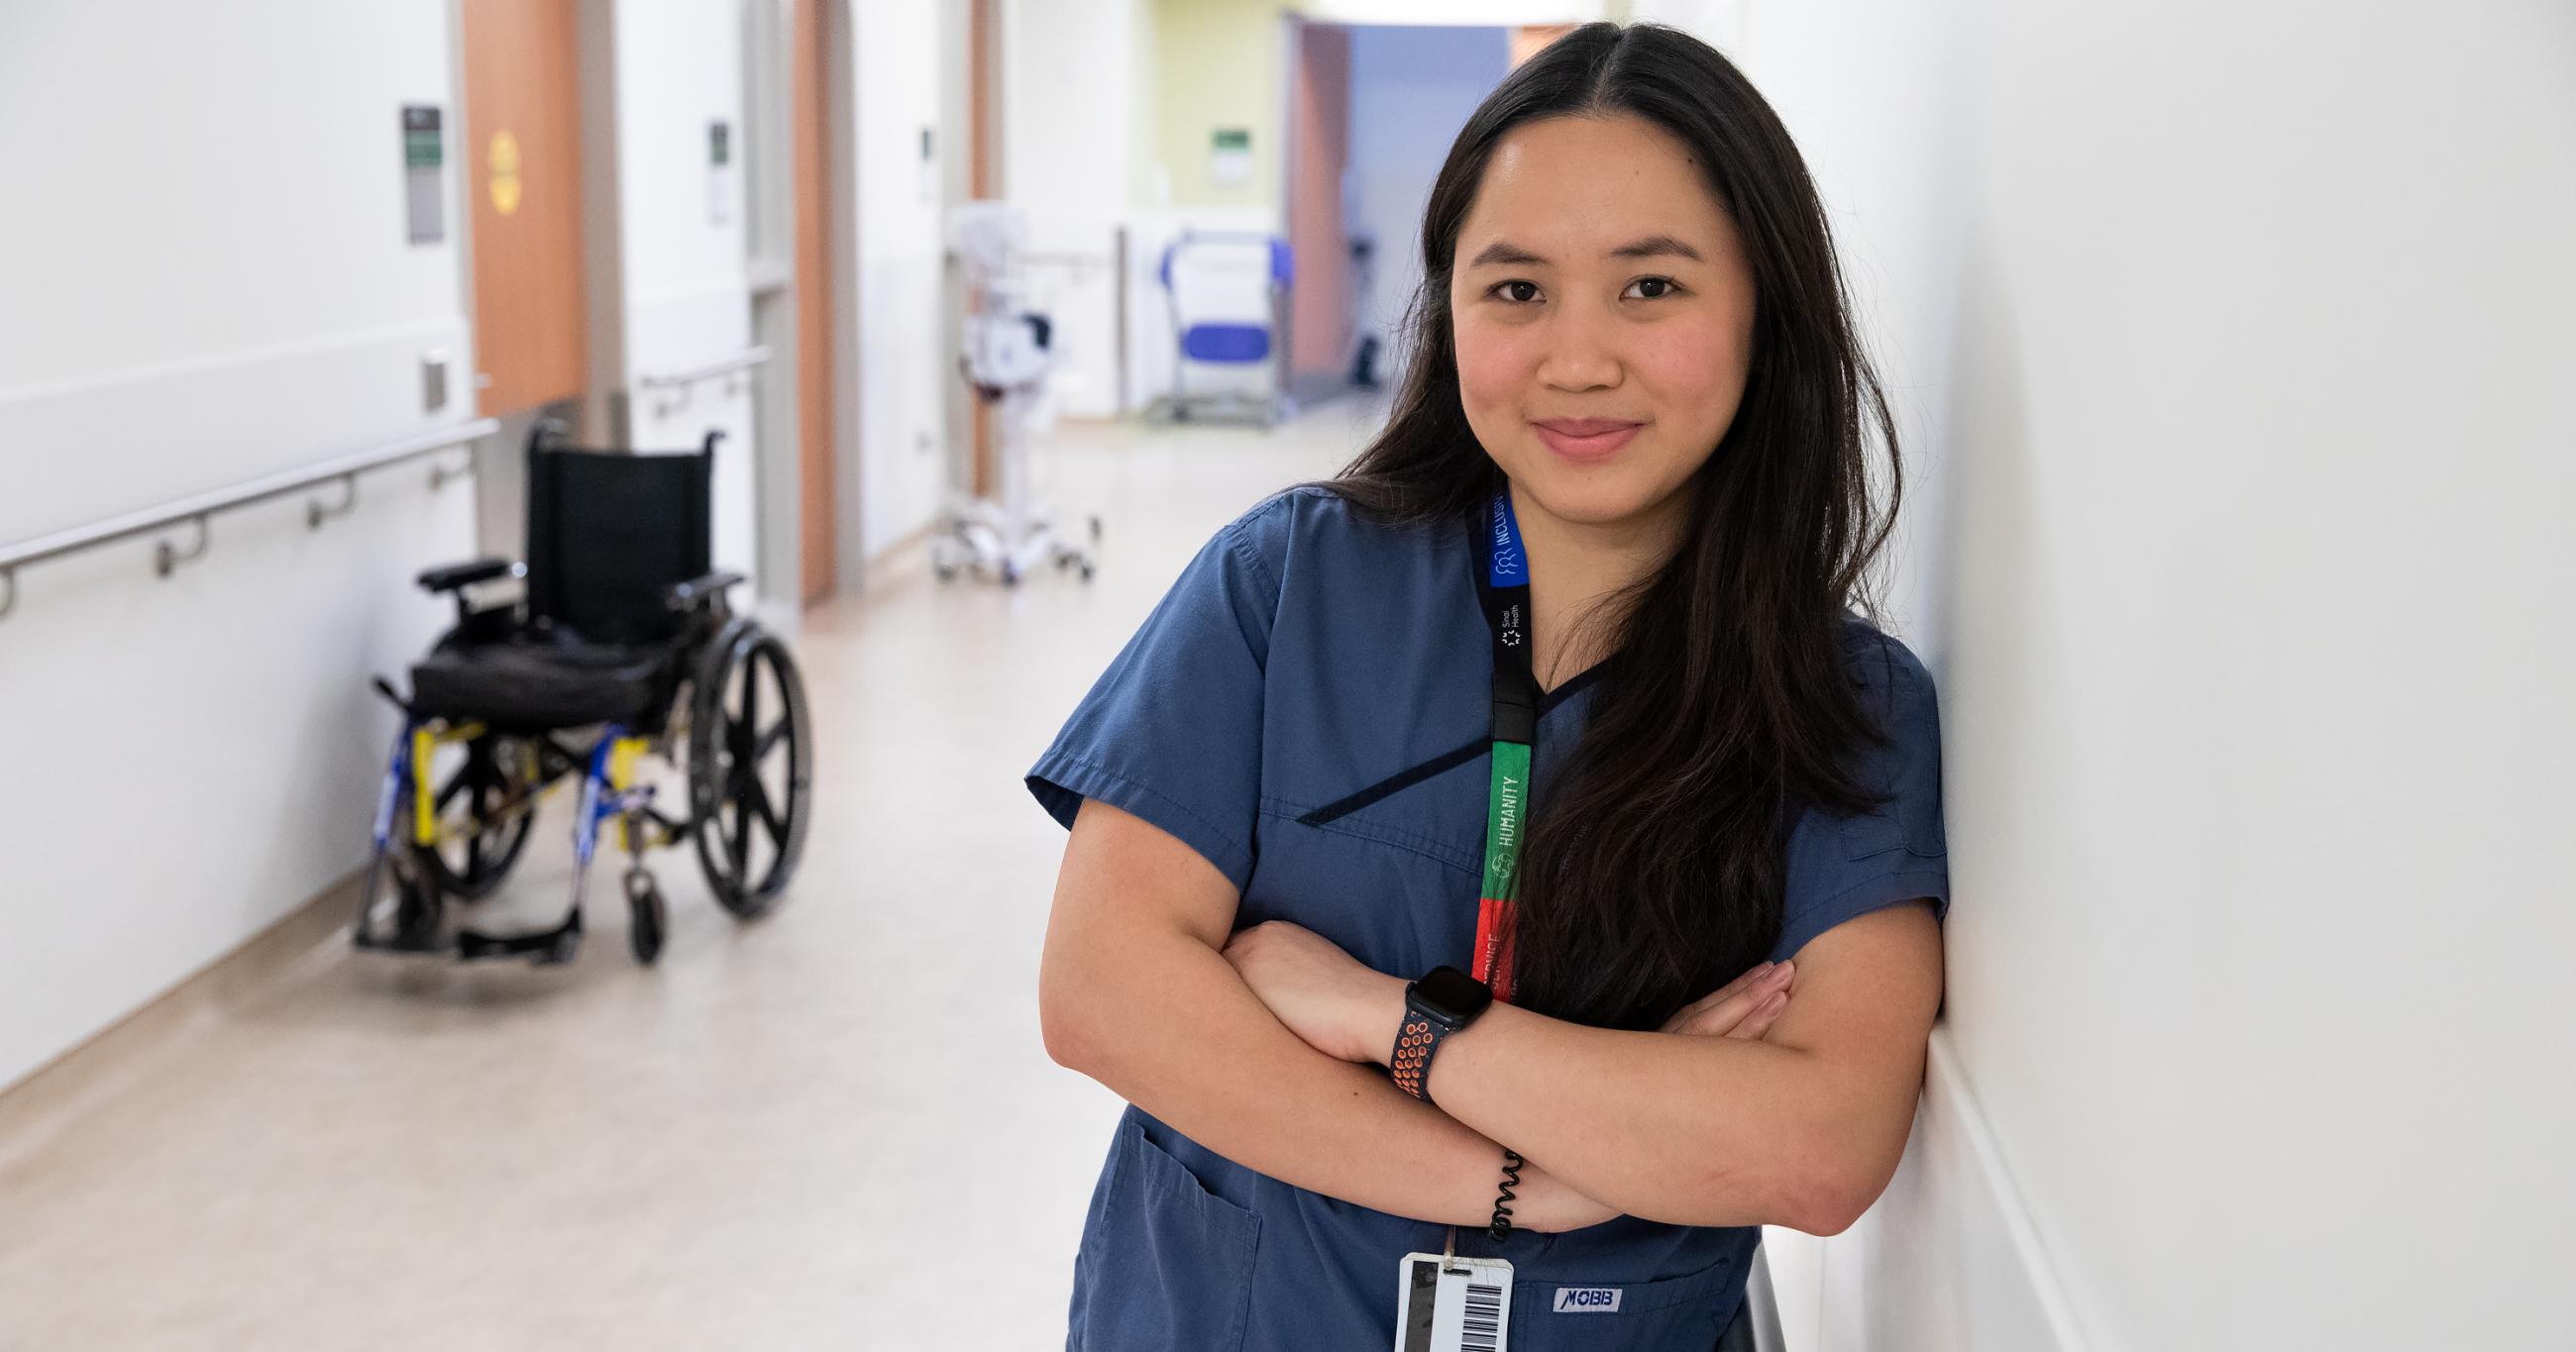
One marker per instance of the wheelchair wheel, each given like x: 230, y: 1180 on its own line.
x: 490, y: 793
x: 750, y: 768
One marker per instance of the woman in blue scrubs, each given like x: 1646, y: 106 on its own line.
x: 1559, y: 686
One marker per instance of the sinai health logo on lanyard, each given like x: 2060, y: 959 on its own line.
x: 1506, y: 596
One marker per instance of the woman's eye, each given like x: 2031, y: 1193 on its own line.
x: 1511, y: 293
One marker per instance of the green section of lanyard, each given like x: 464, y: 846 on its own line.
x: 1506, y: 820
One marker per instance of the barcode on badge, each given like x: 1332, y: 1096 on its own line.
x: 1484, y: 1327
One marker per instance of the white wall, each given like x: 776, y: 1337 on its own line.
x: 204, y: 279
x: 903, y: 367
x: 1412, y: 89
x: 684, y: 283
x: 1068, y: 164
x: 2230, y: 342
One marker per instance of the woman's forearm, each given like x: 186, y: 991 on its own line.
x: 1668, y: 1126
x: 1797, y: 1123
x: 1686, y: 1130
x: 1165, y: 1022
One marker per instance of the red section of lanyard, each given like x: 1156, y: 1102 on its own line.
x: 1494, y: 945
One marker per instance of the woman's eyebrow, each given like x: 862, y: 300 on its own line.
x: 1508, y: 254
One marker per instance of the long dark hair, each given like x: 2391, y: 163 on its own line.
x: 1655, y: 866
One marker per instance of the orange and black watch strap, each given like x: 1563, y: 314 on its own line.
x: 1444, y: 1001
x: 1414, y: 1044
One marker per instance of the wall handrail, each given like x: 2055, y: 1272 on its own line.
x: 197, y: 512
x: 724, y: 366
x: 670, y: 389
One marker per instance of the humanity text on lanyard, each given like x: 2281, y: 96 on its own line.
x: 1506, y: 594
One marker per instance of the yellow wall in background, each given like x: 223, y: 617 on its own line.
x: 1144, y: 103
x: 1216, y: 63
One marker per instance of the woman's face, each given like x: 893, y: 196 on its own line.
x: 1598, y: 284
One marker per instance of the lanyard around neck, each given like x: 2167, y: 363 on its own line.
x: 1503, y: 585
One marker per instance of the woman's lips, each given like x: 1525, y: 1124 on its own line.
x: 1592, y: 440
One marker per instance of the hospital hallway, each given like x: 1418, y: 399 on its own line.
x: 806, y: 1131
x: 539, y: 540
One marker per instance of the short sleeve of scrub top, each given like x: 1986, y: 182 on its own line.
x: 1171, y: 732
x: 1843, y: 867
x: 1308, y: 708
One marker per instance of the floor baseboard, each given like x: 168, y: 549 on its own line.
x: 40, y: 1103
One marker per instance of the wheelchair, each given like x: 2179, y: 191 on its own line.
x: 623, y: 645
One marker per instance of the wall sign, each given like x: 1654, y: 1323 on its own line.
x: 1230, y: 156
x: 719, y: 172
x: 424, y: 152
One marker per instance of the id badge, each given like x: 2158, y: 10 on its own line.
x: 1449, y: 1304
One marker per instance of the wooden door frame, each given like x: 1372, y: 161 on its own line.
x: 812, y: 149
x: 983, y: 180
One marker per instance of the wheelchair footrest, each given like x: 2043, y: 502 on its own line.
x: 553, y: 946
x: 370, y: 941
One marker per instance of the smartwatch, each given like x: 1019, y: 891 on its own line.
x: 1441, y: 1002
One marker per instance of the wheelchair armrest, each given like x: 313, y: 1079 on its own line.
x: 457, y: 575
x: 698, y: 591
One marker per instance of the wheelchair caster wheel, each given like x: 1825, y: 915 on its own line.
x: 647, y: 921
x: 416, y: 917
x: 402, y: 906
x: 1010, y: 575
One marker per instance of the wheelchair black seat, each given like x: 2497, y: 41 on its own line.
x: 535, y: 680
x: 597, y: 639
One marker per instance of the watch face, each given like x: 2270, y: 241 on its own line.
x: 1450, y: 996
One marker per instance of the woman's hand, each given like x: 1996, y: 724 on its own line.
x: 1745, y: 1007
x: 1325, y: 996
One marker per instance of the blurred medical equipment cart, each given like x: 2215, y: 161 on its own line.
x: 1008, y: 351
x: 1228, y: 291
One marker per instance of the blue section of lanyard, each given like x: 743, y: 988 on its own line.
x: 1507, y: 564
x: 1506, y: 595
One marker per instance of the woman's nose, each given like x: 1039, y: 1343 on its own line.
x: 1581, y: 354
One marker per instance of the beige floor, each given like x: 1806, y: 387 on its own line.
x: 836, y: 1128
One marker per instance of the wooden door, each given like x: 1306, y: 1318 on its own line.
x: 1319, y: 149
x: 523, y: 145
x: 809, y: 113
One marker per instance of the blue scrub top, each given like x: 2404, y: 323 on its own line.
x: 1308, y: 707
